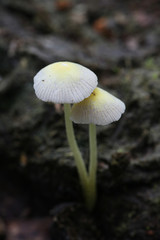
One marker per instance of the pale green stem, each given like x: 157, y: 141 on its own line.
x: 92, y: 165
x: 76, y: 152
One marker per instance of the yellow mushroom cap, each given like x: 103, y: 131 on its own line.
x: 99, y: 108
x: 64, y: 82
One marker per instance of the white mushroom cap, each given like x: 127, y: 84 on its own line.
x: 99, y: 108
x: 64, y: 82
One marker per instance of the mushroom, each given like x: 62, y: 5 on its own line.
x: 67, y: 82
x: 99, y: 108
x: 64, y: 82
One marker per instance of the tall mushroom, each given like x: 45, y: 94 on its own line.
x: 100, y: 108
x: 67, y: 82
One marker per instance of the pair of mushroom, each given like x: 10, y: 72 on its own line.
x: 72, y: 83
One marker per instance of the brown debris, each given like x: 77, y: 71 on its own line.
x: 63, y: 5
x: 101, y: 25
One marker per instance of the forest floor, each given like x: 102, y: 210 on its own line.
x: 40, y: 194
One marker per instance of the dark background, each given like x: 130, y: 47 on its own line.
x: 40, y: 195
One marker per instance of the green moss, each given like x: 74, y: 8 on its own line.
x: 155, y: 75
x: 149, y: 63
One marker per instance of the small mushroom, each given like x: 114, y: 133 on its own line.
x: 100, y: 108
x: 64, y: 82
x: 67, y: 82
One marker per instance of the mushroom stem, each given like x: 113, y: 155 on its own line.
x: 92, y: 166
x: 76, y: 152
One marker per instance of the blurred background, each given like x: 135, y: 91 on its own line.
x: 40, y: 195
